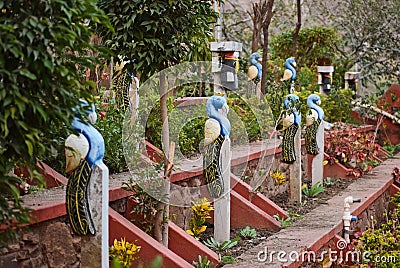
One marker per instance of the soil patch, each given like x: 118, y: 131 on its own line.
x: 308, y: 204
x: 295, y: 210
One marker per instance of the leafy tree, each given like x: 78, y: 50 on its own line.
x: 316, y: 45
x: 43, y: 55
x: 370, y: 36
x: 158, y: 34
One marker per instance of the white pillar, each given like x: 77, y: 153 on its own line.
x: 295, y: 171
x: 222, y: 206
x: 94, y: 249
x: 317, y: 166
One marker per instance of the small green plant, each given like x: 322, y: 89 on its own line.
x: 228, y: 259
x: 123, y: 253
x: 248, y: 232
x: 315, y: 190
x: 328, y: 181
x: 220, y: 247
x: 201, y: 212
x: 284, y: 222
x: 203, y: 262
x: 382, y: 243
x: 392, y: 149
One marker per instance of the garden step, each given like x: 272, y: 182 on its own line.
x: 323, y: 223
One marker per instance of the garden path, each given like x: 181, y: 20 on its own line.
x: 324, y: 222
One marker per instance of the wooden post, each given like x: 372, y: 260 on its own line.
x: 295, y: 171
x: 222, y: 206
x: 317, y: 166
x: 94, y: 249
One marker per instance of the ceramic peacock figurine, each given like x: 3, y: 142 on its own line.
x: 291, y: 123
x: 122, y: 85
x: 83, y: 152
x: 290, y: 73
x: 314, y: 118
x: 217, y: 129
x: 254, y: 71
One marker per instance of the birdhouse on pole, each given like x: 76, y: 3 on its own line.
x: 225, y: 65
x: 325, y: 75
x: 351, y: 81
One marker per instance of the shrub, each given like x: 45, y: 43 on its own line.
x: 42, y: 64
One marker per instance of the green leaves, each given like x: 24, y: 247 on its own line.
x: 42, y: 59
x: 156, y: 33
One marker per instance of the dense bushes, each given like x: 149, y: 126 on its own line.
x: 43, y: 59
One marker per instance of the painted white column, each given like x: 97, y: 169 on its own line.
x: 295, y: 171
x: 94, y: 249
x: 222, y: 206
x: 317, y: 166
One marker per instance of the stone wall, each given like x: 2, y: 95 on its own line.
x: 47, y: 244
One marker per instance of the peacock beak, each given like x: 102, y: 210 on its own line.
x: 318, y: 102
x: 294, y: 64
x: 260, y: 59
x: 72, y: 160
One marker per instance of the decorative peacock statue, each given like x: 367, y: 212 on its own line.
x: 82, y: 152
x: 122, y: 85
x: 217, y: 129
x: 314, y: 118
x: 290, y: 72
x: 254, y: 71
x: 291, y: 123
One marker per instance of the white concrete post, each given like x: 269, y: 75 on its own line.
x: 94, y: 249
x: 222, y: 206
x: 317, y: 166
x: 295, y: 171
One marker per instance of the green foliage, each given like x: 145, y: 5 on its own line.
x: 146, y: 206
x: 154, y: 123
x: 248, y: 232
x: 315, y: 45
x: 228, y: 259
x: 191, y: 135
x: 337, y: 105
x: 220, y: 247
x: 382, y: 243
x: 42, y: 62
x: 158, y: 34
x: 392, y: 149
x: 314, y: 190
x: 203, y: 262
x: 111, y: 128
x: 285, y: 222
x: 328, y: 181
x: 253, y: 120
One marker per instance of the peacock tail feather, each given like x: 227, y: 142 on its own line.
x: 288, y: 152
x: 121, y: 85
x: 77, y: 200
x: 311, y: 137
x: 212, y: 167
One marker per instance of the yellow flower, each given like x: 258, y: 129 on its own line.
x: 304, y: 186
x: 190, y: 232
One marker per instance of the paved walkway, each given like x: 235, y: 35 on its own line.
x: 319, y: 223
